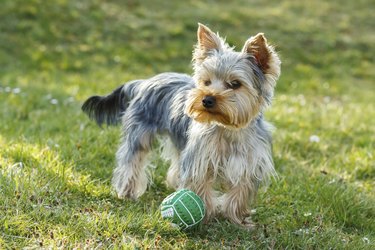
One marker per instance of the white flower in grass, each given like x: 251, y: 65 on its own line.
x: 366, y: 240
x: 314, y: 138
x: 307, y: 214
x: 54, y: 101
x: 16, y: 90
x: 302, y: 231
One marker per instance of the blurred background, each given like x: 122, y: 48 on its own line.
x: 318, y: 41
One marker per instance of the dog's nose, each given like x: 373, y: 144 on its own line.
x: 209, y: 101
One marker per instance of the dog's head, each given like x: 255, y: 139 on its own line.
x: 231, y: 87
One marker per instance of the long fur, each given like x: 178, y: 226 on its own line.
x: 229, y: 143
x: 106, y: 109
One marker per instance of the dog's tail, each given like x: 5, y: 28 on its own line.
x: 108, y: 109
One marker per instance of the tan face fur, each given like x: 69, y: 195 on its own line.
x: 240, y: 83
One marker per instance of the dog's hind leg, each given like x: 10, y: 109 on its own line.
x: 129, y: 178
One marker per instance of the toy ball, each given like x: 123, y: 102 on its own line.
x: 183, y: 208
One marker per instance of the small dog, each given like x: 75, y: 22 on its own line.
x: 213, y: 122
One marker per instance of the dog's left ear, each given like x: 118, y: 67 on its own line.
x: 264, y: 55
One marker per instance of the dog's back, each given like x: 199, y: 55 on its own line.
x: 158, y: 91
x: 157, y: 102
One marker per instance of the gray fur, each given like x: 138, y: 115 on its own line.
x: 237, y: 151
x: 151, y: 112
x: 156, y: 106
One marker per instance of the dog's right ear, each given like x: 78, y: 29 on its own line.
x: 208, y: 42
x: 264, y: 55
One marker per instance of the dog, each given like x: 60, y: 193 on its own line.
x: 217, y: 140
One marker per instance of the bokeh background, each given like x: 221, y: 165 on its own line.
x: 55, y: 164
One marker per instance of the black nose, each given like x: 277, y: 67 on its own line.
x: 209, y: 101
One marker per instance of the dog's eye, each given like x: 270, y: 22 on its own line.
x: 234, y: 84
x: 207, y: 83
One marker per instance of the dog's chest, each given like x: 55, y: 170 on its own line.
x: 218, y: 147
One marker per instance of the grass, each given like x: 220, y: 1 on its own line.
x: 55, y: 165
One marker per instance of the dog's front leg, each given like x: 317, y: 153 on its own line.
x: 204, y: 189
x: 197, y: 176
x: 235, y: 203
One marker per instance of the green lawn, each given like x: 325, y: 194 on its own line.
x: 56, y: 165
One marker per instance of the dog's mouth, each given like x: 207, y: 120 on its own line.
x: 209, y: 115
x: 220, y: 119
x: 212, y: 112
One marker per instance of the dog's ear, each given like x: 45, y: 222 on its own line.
x: 264, y: 54
x: 267, y: 60
x: 208, y: 42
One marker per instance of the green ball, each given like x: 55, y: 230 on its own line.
x: 183, y: 208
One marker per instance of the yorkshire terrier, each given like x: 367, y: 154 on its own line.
x: 217, y: 141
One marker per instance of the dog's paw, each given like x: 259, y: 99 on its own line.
x: 248, y: 224
x: 126, y: 194
x: 128, y: 187
x: 124, y: 190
